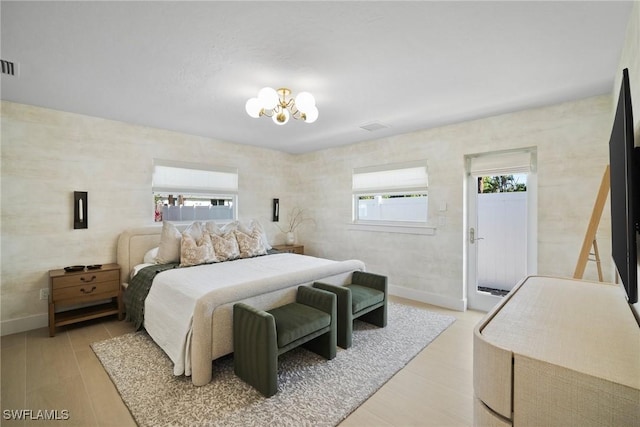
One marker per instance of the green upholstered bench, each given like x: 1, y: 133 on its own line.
x: 259, y: 337
x: 365, y: 298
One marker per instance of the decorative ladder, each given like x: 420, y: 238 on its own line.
x: 590, y: 236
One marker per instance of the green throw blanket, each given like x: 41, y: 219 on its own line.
x: 138, y: 290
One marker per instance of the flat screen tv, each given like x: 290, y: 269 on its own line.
x: 624, y: 160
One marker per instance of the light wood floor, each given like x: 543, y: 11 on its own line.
x: 39, y: 372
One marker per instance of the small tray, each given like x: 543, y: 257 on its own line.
x: 94, y: 266
x: 74, y: 268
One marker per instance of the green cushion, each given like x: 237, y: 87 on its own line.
x: 294, y: 321
x: 363, y: 297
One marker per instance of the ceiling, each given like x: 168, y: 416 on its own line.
x: 190, y: 66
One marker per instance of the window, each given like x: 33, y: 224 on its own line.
x: 391, y: 194
x: 190, y: 191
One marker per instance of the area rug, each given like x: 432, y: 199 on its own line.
x: 312, y: 391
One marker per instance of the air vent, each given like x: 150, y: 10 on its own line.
x: 9, y: 68
x: 374, y: 126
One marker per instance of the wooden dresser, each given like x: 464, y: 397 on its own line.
x: 80, y: 288
x: 558, y: 352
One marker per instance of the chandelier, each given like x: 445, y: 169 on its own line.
x: 278, y: 105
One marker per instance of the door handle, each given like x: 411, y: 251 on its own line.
x: 472, y: 236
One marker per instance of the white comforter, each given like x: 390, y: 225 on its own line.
x: 172, y: 300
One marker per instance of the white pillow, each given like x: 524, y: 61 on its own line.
x: 150, y: 256
x: 169, y: 248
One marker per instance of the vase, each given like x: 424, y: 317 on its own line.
x: 291, y: 239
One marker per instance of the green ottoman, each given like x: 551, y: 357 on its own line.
x: 259, y: 337
x: 365, y: 298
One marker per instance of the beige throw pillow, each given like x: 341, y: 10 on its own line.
x: 255, y: 225
x: 196, y: 252
x: 250, y: 245
x: 225, y: 247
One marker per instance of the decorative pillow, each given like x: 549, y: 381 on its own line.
x: 225, y: 247
x: 195, y: 230
x: 169, y: 248
x: 150, y: 256
x: 212, y: 228
x: 250, y: 244
x: 229, y: 227
x: 255, y: 225
x: 195, y: 252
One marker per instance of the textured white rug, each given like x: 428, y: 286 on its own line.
x: 312, y: 391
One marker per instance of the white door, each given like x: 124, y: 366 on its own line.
x: 501, y: 228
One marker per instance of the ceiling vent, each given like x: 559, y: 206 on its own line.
x: 374, y: 126
x: 9, y: 68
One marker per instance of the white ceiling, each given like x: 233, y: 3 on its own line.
x: 191, y: 66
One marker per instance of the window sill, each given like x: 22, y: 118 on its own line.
x: 387, y: 228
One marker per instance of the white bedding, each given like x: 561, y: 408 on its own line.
x: 172, y: 300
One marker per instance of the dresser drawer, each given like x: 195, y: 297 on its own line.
x: 86, y: 291
x: 86, y: 278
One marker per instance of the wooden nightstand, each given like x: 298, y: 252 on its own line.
x: 292, y: 249
x: 81, y: 287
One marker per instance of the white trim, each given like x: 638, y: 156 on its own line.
x: 429, y: 298
x: 14, y: 326
x: 387, y: 228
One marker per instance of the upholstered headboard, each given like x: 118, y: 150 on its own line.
x: 134, y: 243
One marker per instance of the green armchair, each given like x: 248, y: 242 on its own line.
x: 259, y: 337
x: 365, y: 298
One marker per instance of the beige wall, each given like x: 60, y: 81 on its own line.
x: 630, y: 58
x: 46, y: 155
x: 571, y: 141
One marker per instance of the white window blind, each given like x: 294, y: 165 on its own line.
x: 390, y: 178
x: 506, y: 163
x: 193, y: 178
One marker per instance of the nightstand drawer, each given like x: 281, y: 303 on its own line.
x: 86, y: 278
x: 86, y: 291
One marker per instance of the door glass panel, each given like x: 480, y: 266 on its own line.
x: 501, y: 233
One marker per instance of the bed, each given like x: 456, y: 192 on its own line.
x: 189, y: 311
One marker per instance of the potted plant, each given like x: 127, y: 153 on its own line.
x: 297, y: 217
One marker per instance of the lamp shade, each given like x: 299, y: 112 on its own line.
x: 253, y: 107
x: 268, y: 97
x: 281, y: 116
x: 311, y: 115
x: 305, y: 101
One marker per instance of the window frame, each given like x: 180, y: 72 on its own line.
x: 389, y: 189
x: 226, y: 190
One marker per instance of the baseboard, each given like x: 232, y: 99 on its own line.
x: 429, y: 298
x: 14, y: 326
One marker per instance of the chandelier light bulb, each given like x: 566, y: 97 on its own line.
x: 253, y: 107
x: 311, y: 115
x: 268, y: 97
x: 281, y: 116
x: 305, y: 101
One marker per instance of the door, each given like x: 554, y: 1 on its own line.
x: 500, y: 230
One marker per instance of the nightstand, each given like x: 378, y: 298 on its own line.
x: 292, y: 249
x: 82, y: 287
